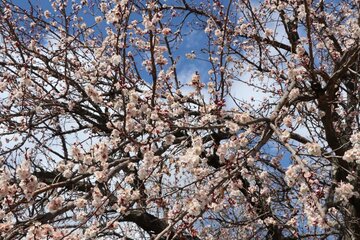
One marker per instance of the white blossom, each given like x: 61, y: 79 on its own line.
x: 313, y: 149
x: 344, y: 192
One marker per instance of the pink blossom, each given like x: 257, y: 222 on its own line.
x: 55, y: 204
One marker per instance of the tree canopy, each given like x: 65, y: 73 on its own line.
x: 179, y: 119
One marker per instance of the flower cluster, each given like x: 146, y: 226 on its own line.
x: 55, y: 204
x: 344, y: 192
x: 313, y: 149
x: 353, y: 154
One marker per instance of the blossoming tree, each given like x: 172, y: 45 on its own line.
x: 105, y: 135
